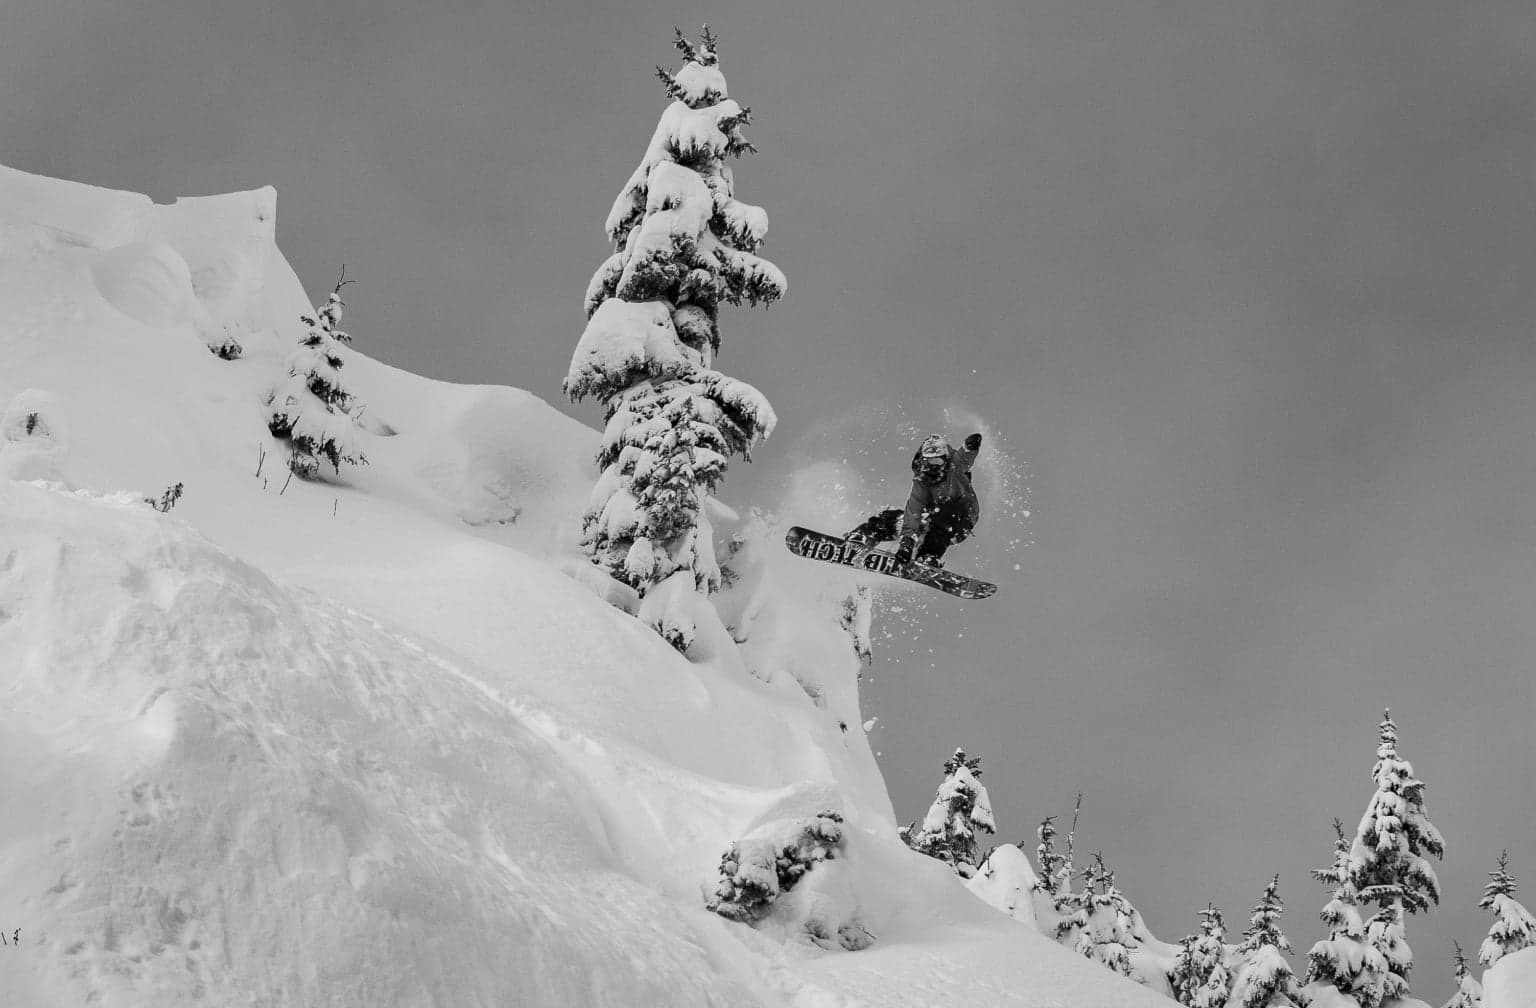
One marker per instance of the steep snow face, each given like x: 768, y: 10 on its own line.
x: 365, y: 742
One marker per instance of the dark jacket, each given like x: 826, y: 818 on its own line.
x: 953, y: 494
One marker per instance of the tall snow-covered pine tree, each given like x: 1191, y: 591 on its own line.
x: 1388, y: 863
x: 684, y: 245
x: 1387, y: 858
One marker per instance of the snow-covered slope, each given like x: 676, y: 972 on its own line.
x: 379, y: 741
x: 1511, y: 982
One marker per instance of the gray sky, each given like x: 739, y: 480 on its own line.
x: 1244, y: 283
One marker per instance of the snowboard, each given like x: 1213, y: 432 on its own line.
x: 837, y: 550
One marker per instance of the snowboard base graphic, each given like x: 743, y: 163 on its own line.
x: 837, y: 550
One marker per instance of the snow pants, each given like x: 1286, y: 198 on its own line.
x: 946, y: 526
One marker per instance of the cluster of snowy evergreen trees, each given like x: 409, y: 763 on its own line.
x: 1378, y: 876
x: 684, y: 245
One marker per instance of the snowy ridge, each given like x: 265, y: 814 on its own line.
x: 369, y: 742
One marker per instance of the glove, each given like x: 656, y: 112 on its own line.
x: 973, y: 443
x: 905, y: 548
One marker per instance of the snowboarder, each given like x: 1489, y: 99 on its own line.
x: 941, y: 510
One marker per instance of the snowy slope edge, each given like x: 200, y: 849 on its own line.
x: 363, y: 742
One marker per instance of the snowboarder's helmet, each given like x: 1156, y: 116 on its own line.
x: 932, y: 459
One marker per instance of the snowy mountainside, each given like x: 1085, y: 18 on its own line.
x: 377, y: 740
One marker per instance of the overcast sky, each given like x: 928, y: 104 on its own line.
x: 1242, y: 287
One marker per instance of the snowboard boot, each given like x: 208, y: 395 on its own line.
x: 929, y: 560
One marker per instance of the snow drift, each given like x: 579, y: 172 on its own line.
x: 382, y: 740
x: 1511, y: 982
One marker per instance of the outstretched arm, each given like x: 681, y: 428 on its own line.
x: 966, y: 457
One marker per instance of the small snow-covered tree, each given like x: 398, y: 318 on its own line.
x: 771, y: 861
x: 1181, y: 971
x: 311, y: 408
x: 960, y: 810
x: 1112, y: 928
x: 1049, y: 879
x: 1469, y: 993
x: 1346, y: 961
x: 1068, y: 910
x: 1513, y: 927
x: 1201, y: 974
x: 684, y: 245
x: 1262, y: 976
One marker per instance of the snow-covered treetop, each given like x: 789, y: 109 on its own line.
x: 1469, y: 993
x: 1513, y: 926
x: 328, y: 316
x: 1388, y: 728
x: 958, y: 760
x: 699, y: 130
x: 1211, y: 923
x: 1387, y: 859
x: 682, y: 241
x: 961, y: 802
x: 1050, y: 862
x: 1500, y: 883
x: 699, y: 82
x: 1264, y: 925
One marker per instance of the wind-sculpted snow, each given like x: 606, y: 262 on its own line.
x: 147, y: 281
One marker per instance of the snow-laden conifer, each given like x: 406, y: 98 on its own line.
x: 684, y: 245
x: 1201, y: 973
x: 1181, y: 970
x: 1262, y: 976
x: 960, y: 810
x: 1346, y: 961
x: 311, y: 408
x: 1469, y: 993
x: 1068, y: 909
x: 770, y: 861
x: 1513, y: 927
x: 1113, y: 928
x: 1050, y: 879
x: 1387, y: 860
